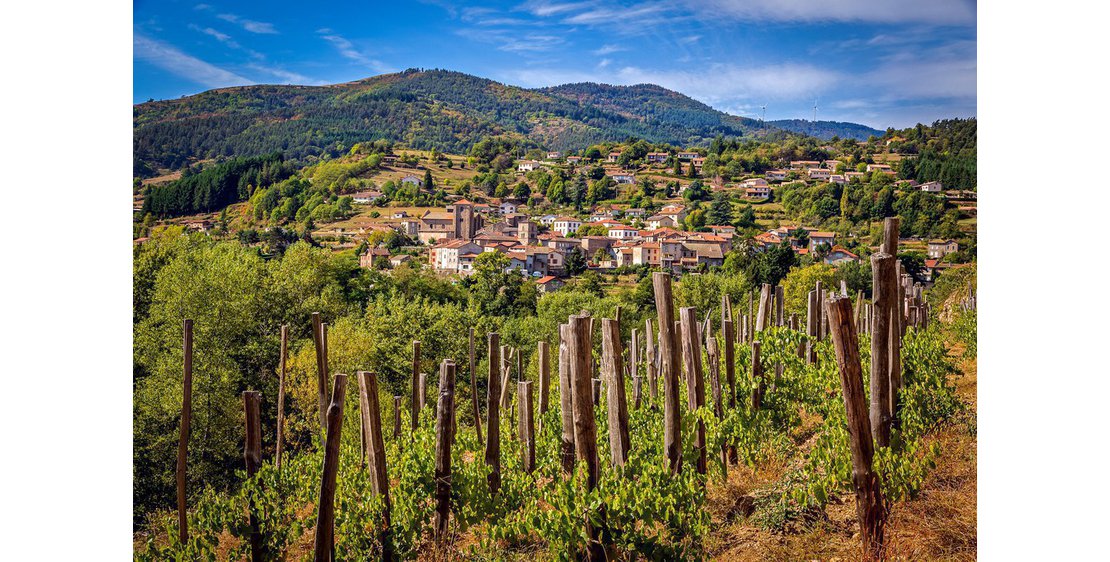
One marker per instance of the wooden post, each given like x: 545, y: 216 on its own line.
x: 757, y: 377
x: 764, y: 312
x: 668, y: 351
x: 637, y: 391
x: 493, y: 414
x: 281, y: 395
x: 375, y: 452
x: 882, y: 269
x: 617, y: 405
x: 397, y: 416
x: 585, y: 429
x: 652, y: 372
x: 695, y: 379
x: 445, y: 436
x: 183, y: 437
x: 325, y: 519
x: 566, y: 406
x: 713, y: 353
x: 779, y: 295
x: 506, y: 397
x: 474, y: 387
x: 869, y: 499
x: 421, y: 393
x: 596, y: 392
x: 812, y: 323
x: 252, y: 457
x: 730, y: 362
x: 527, y: 435
x: 321, y: 369
x: 634, y: 353
x: 415, y: 415
x: 544, y: 368
x: 897, y: 330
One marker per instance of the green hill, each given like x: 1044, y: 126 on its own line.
x: 826, y: 130
x: 422, y: 109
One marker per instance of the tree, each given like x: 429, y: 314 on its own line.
x: 522, y: 191
x: 800, y: 236
x: 720, y: 210
x: 575, y: 262
x: 497, y: 292
x: 678, y: 166
x: 746, y: 218
x: 692, y: 172
x: 696, y: 191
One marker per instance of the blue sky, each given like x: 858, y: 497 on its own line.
x: 877, y: 62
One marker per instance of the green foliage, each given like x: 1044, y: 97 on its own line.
x: 214, y: 187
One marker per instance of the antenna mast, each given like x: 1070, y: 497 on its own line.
x: 814, y: 110
x: 764, y: 115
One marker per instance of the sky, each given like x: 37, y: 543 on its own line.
x: 882, y: 63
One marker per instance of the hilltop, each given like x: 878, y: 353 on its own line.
x: 422, y: 109
x: 826, y: 130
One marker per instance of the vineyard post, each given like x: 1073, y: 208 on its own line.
x: 321, y: 370
x: 898, y: 329
x: 585, y: 429
x: 445, y: 435
x: 882, y: 268
x: 762, y: 315
x: 252, y: 458
x: 566, y: 407
x: 714, y: 355
x: 397, y: 416
x: 421, y: 393
x: 281, y: 395
x: 637, y: 391
x: 695, y: 389
x: 779, y: 297
x: 325, y: 519
x: 811, y: 327
x: 527, y: 433
x: 506, y: 376
x: 493, y: 414
x: 757, y: 377
x: 672, y: 421
x: 375, y: 451
x: 649, y: 350
x: 858, y: 314
x: 869, y: 499
x: 730, y: 361
x: 186, y: 420
x: 544, y: 368
x: 617, y: 405
x: 596, y: 392
x: 634, y: 353
x: 414, y: 416
x: 843, y: 288
x: 474, y: 386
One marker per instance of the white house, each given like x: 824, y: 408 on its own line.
x: 818, y: 173
x: 623, y: 232
x: 687, y: 155
x: 528, y: 166
x: 931, y: 187
x: 622, y: 178
x: 418, y: 182
x: 776, y: 175
x: 507, y: 207
x: 365, y: 197
x: 657, y: 157
x: 940, y: 248
x: 566, y: 225
x: 548, y: 220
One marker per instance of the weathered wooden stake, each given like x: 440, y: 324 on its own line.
x: 883, y: 293
x: 325, y: 519
x: 445, y: 436
x: 493, y: 414
x: 812, y: 323
x: 252, y: 457
x: 585, y: 429
x: 763, y: 316
x: 779, y: 297
x: 544, y: 368
x: 421, y: 393
x: 397, y: 416
x: 321, y: 369
x: 474, y: 386
x: 566, y: 406
x: 695, y: 379
x: 869, y: 498
x: 183, y: 438
x: 637, y: 391
x: 375, y: 452
x: 416, y: 406
x: 714, y: 355
x: 617, y: 405
x: 596, y: 393
x: 527, y: 434
x: 757, y: 377
x: 652, y: 372
x: 669, y: 361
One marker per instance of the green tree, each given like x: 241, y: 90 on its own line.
x: 720, y: 210
x: 575, y: 262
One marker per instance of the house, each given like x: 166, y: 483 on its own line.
x: 411, y: 179
x: 931, y: 187
x: 507, y: 207
x: 548, y: 220
x: 622, y: 177
x: 839, y: 255
x: 548, y: 284
x: 574, y: 160
x: 678, y: 212
x: 761, y: 192
x: 372, y: 257
x: 940, y: 248
x: 849, y: 175
x: 881, y: 168
x: 697, y: 162
x: 399, y: 215
x: 754, y: 182
x: 623, y: 232
x: 817, y: 238
x: 554, y: 155
x: 633, y: 212
x: 657, y: 157
x: 399, y: 260
x: 453, y: 256
x: 832, y: 164
x: 724, y: 231
x: 687, y: 155
x: 647, y: 253
x: 775, y: 175
x: 199, y: 226
x: 709, y: 253
x: 767, y: 239
x: 613, y: 157
x: 564, y: 245
x: 366, y: 197
x: 818, y: 173
x: 528, y: 166
x: 838, y: 179
x: 660, y: 221
x: 565, y: 225
x: 804, y: 164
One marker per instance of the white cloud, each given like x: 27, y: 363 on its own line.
x: 690, y: 39
x: 945, y: 12
x: 249, y: 25
x: 219, y: 36
x: 286, y: 76
x: 603, y: 63
x: 932, y: 78
x: 348, y: 50
x: 171, y: 59
x: 544, y: 8
x: 609, y: 49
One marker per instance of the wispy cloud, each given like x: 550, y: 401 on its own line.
x: 545, y: 8
x: 608, y: 50
x: 689, y: 39
x: 944, y: 12
x: 172, y: 59
x: 286, y: 76
x: 219, y: 36
x: 349, y: 51
x: 512, y: 41
x: 249, y: 25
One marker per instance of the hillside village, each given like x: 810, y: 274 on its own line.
x: 651, y: 208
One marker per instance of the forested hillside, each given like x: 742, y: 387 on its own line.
x: 826, y: 130
x: 448, y: 111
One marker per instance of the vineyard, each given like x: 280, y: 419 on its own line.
x: 607, y: 446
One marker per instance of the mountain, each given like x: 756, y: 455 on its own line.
x: 826, y: 130
x: 422, y: 109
